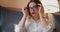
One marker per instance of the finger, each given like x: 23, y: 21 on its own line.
x: 25, y: 8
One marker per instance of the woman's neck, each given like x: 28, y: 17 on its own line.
x: 36, y: 17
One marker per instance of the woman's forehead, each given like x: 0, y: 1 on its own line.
x: 32, y: 4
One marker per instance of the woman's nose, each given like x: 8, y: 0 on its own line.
x: 32, y: 10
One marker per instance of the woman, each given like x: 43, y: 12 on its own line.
x: 32, y: 20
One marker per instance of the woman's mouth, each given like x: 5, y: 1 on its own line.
x: 33, y: 13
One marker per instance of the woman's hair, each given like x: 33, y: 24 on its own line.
x: 35, y: 1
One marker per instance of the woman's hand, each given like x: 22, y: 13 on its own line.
x: 25, y: 11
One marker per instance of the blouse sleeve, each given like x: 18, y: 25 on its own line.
x: 19, y: 29
x: 22, y: 29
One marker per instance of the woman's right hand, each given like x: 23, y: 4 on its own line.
x: 25, y: 11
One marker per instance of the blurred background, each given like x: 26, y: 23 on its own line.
x: 10, y: 14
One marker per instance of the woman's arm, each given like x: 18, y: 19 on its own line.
x: 21, y: 25
x: 23, y: 20
x: 49, y: 27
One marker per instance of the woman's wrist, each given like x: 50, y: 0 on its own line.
x: 25, y: 15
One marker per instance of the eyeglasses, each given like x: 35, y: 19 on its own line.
x: 34, y: 7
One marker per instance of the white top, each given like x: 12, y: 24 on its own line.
x: 32, y: 26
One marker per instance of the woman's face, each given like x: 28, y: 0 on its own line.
x: 34, y: 9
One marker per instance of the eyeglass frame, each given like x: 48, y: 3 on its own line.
x: 34, y: 7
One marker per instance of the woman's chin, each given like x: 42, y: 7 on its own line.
x: 33, y: 15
